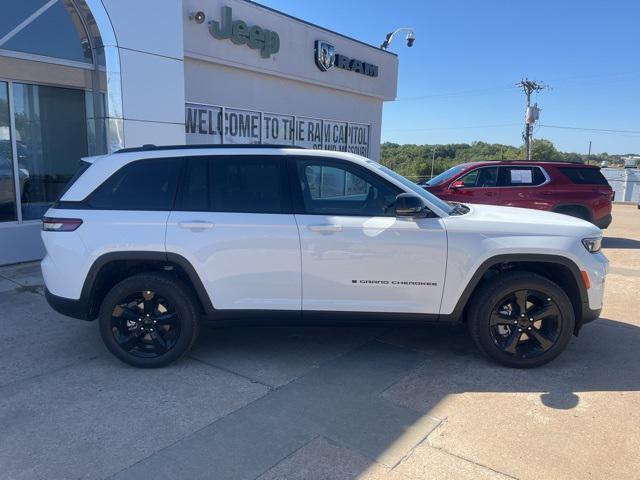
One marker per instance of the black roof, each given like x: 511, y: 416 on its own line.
x: 155, y: 148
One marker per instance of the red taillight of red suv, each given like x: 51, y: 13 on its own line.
x: 50, y: 224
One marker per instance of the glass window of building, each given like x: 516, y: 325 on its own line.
x: 56, y: 31
x: 51, y: 137
x: 7, y: 178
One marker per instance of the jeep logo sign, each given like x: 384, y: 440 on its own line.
x: 255, y: 37
x: 326, y: 57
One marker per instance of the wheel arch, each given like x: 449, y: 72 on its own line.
x: 112, y: 267
x: 559, y: 269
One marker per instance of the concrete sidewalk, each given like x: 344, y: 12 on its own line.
x: 305, y: 403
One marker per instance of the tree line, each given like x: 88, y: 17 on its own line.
x: 414, y: 161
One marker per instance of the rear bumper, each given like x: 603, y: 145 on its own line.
x: 603, y: 222
x: 67, y: 306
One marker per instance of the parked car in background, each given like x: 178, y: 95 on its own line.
x: 570, y: 188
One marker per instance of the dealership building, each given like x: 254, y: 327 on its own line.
x: 86, y: 77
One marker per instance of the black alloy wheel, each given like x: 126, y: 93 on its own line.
x: 525, y: 323
x: 149, y: 320
x: 521, y: 319
x: 145, y: 325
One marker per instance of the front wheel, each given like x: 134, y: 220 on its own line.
x: 521, y: 319
x: 148, y: 320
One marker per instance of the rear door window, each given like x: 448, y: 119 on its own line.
x: 238, y: 183
x: 517, y: 176
x: 584, y: 176
x: 140, y: 185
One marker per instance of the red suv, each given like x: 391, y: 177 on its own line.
x: 570, y: 188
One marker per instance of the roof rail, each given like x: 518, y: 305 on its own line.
x: 154, y: 148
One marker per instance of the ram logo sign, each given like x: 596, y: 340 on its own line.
x: 326, y: 57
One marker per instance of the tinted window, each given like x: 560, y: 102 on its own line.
x: 194, y: 194
x: 584, y: 176
x: 233, y: 184
x: 333, y: 189
x: 481, y: 177
x: 521, y: 176
x: 141, y: 185
x: 81, y: 169
x: 241, y: 184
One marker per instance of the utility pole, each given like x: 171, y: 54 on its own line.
x: 589, y: 155
x: 528, y: 87
x: 433, y: 160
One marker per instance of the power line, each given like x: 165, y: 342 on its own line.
x: 468, y: 127
x: 481, y: 91
x: 504, y: 88
x: 609, y: 130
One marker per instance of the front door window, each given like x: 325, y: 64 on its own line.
x: 334, y: 189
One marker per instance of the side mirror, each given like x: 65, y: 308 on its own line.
x: 456, y: 185
x: 410, y: 205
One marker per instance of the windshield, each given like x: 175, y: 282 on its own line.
x: 446, y: 175
x: 444, y: 206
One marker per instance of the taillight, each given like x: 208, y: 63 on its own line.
x: 60, y: 224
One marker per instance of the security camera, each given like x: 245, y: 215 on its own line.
x: 411, y: 37
x: 197, y: 17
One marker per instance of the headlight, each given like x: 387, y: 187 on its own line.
x: 592, y: 244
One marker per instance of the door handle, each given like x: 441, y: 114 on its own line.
x: 328, y: 228
x: 490, y: 194
x: 196, y: 225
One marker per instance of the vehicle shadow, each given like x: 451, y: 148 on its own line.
x: 370, y: 390
x: 617, y: 242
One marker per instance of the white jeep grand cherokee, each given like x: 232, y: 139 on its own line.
x: 153, y: 240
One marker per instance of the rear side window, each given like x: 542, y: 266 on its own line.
x: 584, y: 176
x: 140, y: 185
x: 240, y: 184
x: 81, y: 169
x: 521, y: 176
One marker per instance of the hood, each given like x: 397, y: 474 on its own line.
x: 492, y: 218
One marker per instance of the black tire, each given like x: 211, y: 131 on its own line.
x: 149, y: 320
x: 500, y: 331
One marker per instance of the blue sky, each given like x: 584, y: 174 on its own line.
x: 456, y: 83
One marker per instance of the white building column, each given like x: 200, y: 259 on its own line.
x: 150, y: 45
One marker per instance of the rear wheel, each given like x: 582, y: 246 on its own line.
x: 148, y: 320
x: 521, y: 319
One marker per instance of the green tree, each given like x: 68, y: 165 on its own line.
x: 543, y: 150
